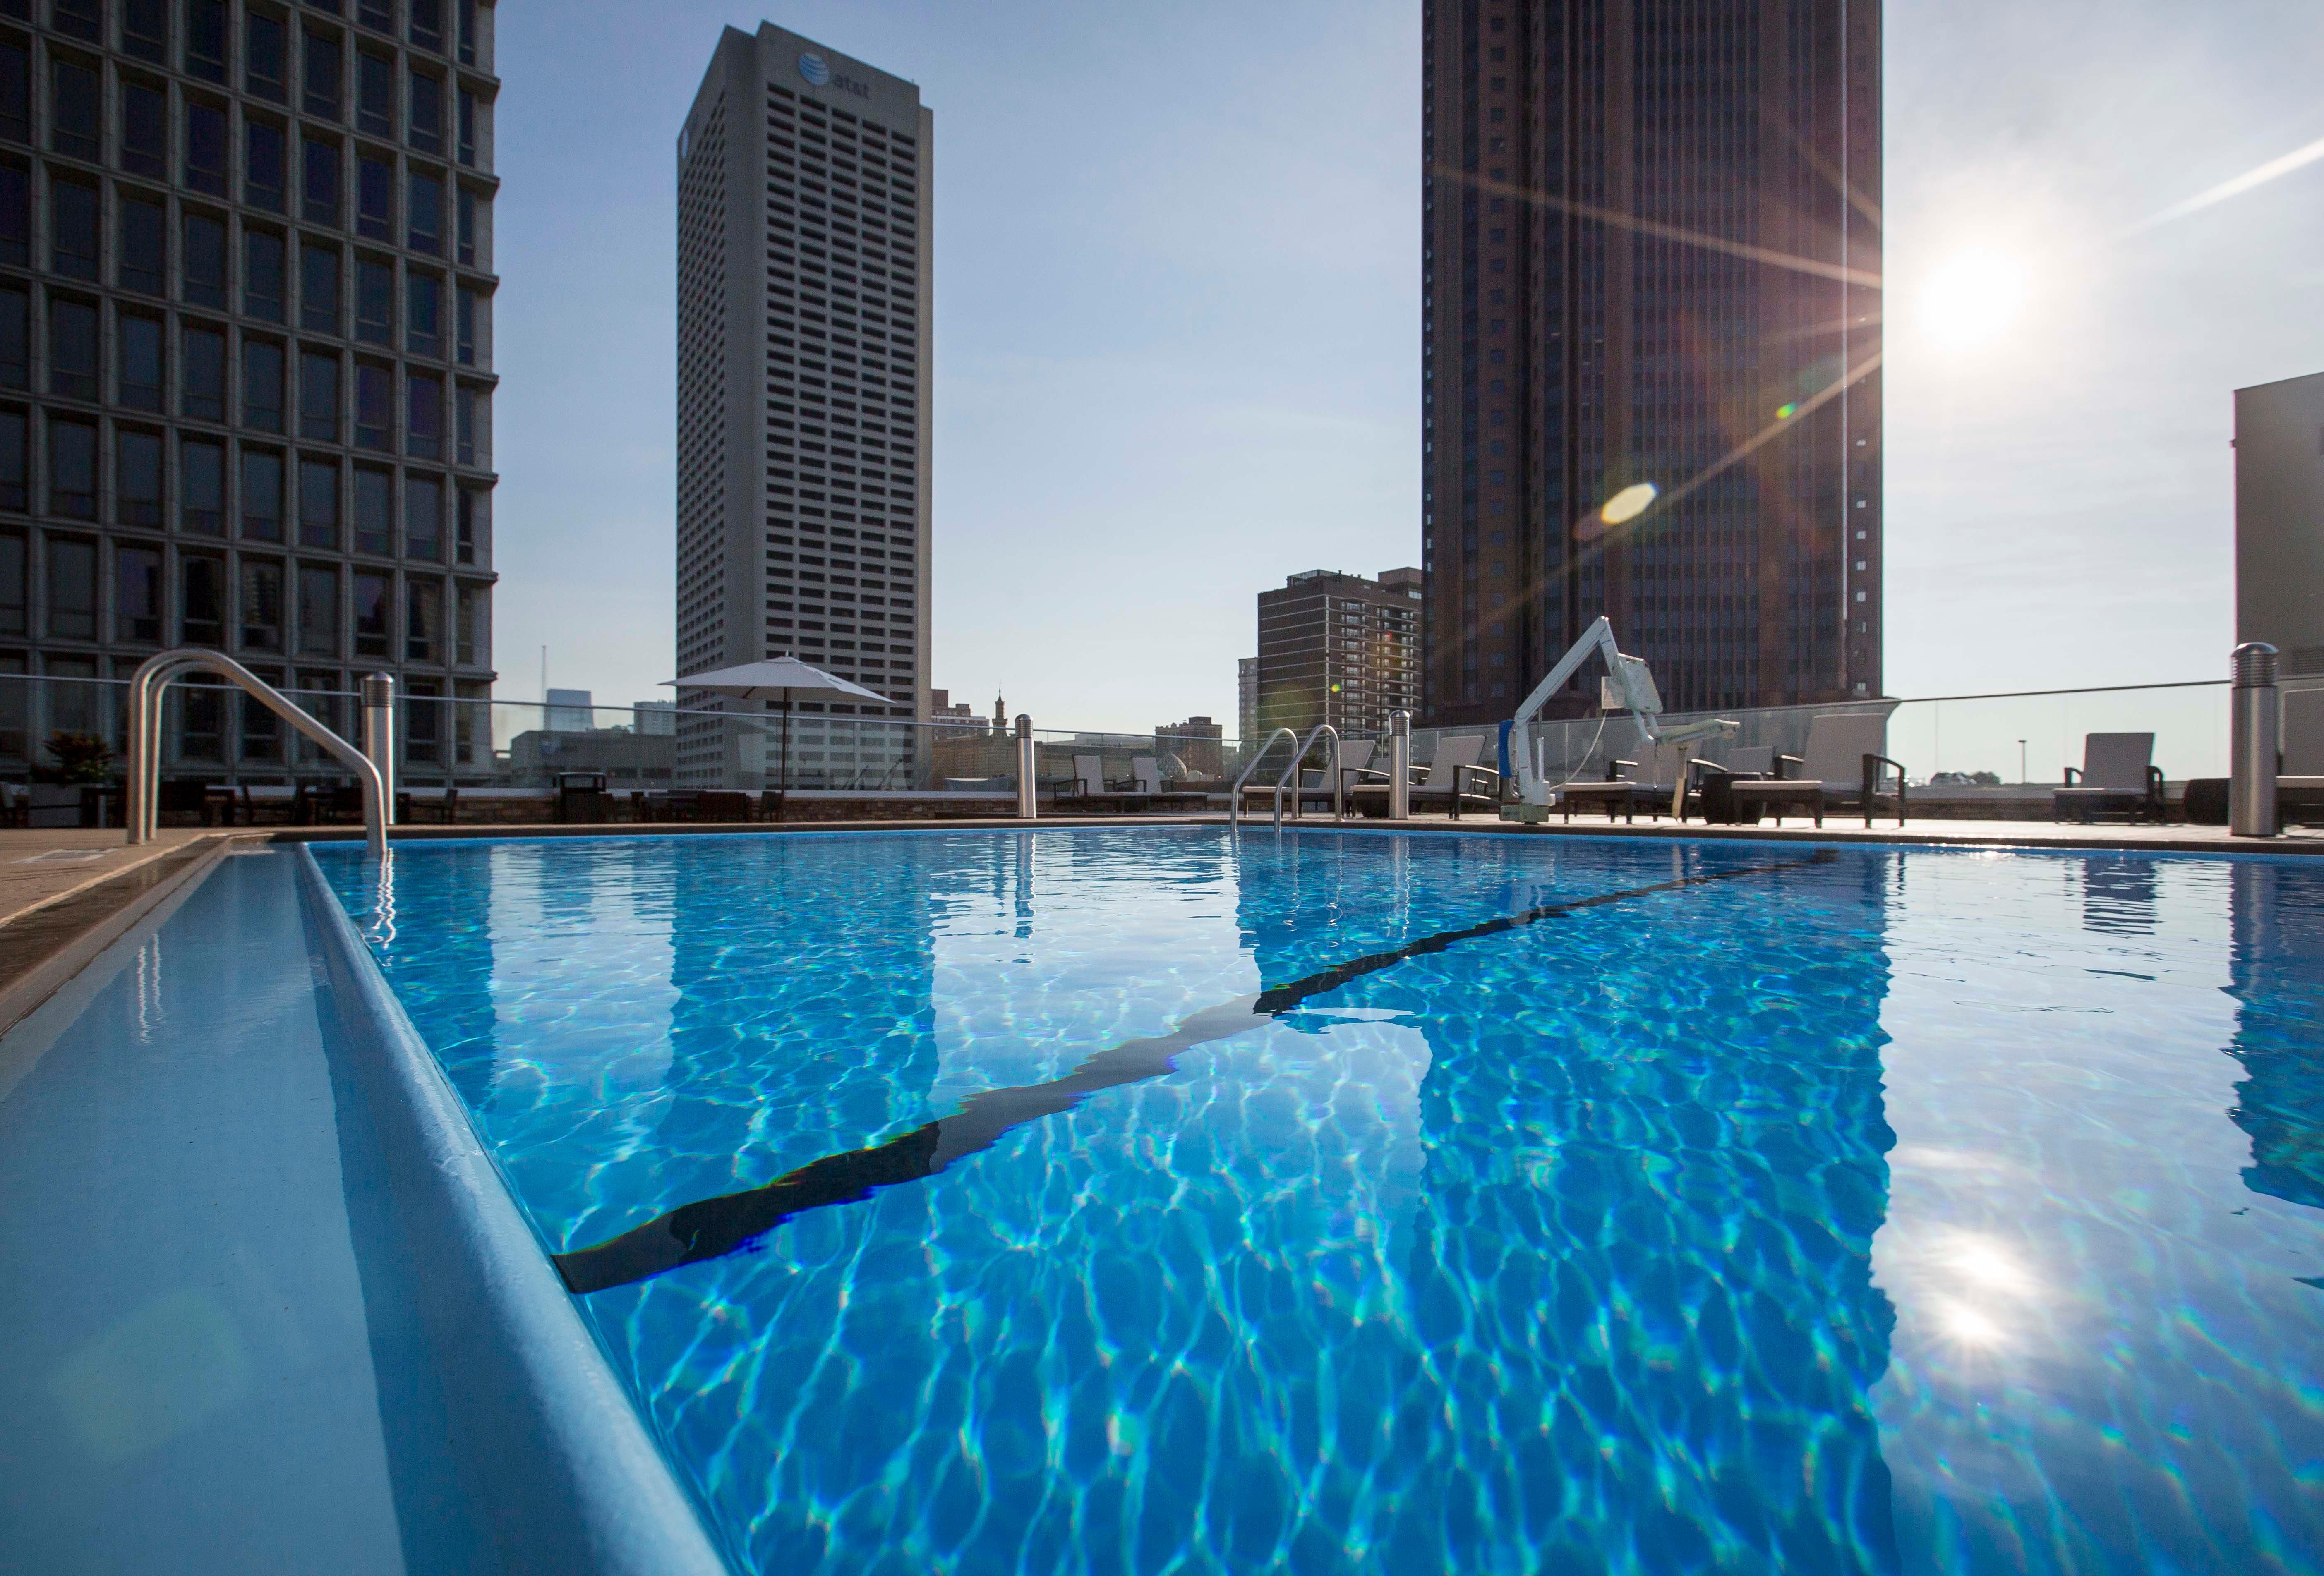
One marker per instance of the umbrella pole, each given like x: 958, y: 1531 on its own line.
x: 783, y: 794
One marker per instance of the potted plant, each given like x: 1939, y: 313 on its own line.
x: 82, y: 760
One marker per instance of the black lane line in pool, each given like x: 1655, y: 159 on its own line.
x: 712, y: 1228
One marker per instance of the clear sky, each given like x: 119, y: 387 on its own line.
x: 1177, y: 328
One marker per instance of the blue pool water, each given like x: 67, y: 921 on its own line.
x: 1737, y: 1207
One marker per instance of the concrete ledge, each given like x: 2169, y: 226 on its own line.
x: 47, y: 943
x: 521, y: 1417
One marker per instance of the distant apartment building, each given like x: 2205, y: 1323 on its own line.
x: 568, y: 711
x: 805, y: 182
x: 657, y: 718
x: 1651, y: 258
x: 945, y: 715
x: 246, y: 367
x: 2280, y: 521
x: 1198, y: 741
x: 1339, y: 649
x: 1246, y: 697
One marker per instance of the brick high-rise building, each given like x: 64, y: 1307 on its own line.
x: 1339, y: 649
x: 805, y: 182
x: 1651, y: 256
x: 245, y: 367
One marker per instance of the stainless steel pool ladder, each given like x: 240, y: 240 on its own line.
x: 145, y: 691
x: 1234, y: 795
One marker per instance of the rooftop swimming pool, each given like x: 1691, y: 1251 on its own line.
x: 1167, y: 1200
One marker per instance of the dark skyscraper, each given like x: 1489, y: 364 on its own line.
x: 1652, y: 250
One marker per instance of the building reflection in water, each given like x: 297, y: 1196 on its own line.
x: 2277, y: 965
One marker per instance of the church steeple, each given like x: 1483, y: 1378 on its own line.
x: 999, y: 716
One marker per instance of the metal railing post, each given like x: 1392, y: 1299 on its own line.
x: 2252, y: 743
x: 1400, y: 765
x: 1029, y: 788
x: 379, y: 733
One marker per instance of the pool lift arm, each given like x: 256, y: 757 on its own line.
x: 1629, y: 683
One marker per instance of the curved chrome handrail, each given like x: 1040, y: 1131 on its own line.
x: 1292, y: 772
x: 1234, y: 795
x: 145, y: 689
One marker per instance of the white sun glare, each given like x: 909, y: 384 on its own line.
x: 1972, y: 299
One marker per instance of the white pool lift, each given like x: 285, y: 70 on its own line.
x: 1627, y: 684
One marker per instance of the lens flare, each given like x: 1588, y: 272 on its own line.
x: 1628, y: 503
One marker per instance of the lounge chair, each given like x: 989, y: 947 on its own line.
x: 1716, y: 777
x: 1652, y: 785
x: 2118, y: 776
x: 1613, y: 791
x: 1454, y: 779
x: 1843, y: 765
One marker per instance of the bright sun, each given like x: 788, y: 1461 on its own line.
x: 1971, y: 299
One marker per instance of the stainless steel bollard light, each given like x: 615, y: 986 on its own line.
x: 1028, y: 789
x: 379, y: 735
x: 1400, y: 765
x: 2253, y: 742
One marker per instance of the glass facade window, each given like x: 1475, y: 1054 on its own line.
x: 146, y: 30
x: 261, y: 384
x: 137, y: 478
x: 81, y: 19
x: 137, y: 596
x: 144, y: 261
x: 423, y: 518
x: 318, y: 613
x: 72, y: 348
x: 15, y: 461
x: 263, y: 48
x: 145, y: 129
x: 142, y: 360
x: 374, y: 513
x: 76, y: 109
x: 262, y: 274
x: 72, y: 470
x: 469, y: 641
x: 318, y: 190
x: 374, y: 198
x: 424, y: 197
x: 375, y: 602
x: 468, y: 204
x: 426, y: 132
x: 73, y: 209
x: 468, y: 28
x: 423, y: 314
x: 201, y: 585
x: 262, y: 167
x: 423, y: 628
x: 319, y: 396
x: 467, y: 410
x: 374, y: 301
x: 72, y: 588
x: 376, y: 13
x: 374, y: 95
x: 318, y: 60
x: 205, y: 148
x: 468, y: 529
x: 465, y: 151
x: 201, y: 363
x: 318, y: 288
x: 16, y: 599
x: 15, y: 337
x: 464, y: 329
x: 205, y: 257
x: 15, y: 214
x: 15, y: 88
x: 375, y: 407
x: 262, y: 495
x: 319, y: 504
x: 262, y: 606
x: 201, y: 487
x: 427, y: 23
x: 424, y: 434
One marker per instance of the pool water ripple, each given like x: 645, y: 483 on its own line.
x: 1895, y: 1213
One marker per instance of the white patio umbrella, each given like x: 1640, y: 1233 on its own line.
x: 783, y: 676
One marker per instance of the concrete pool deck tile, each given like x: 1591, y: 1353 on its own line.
x: 188, y: 1381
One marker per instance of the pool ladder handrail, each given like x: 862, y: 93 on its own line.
x: 1331, y: 766
x: 143, y: 807
x: 1234, y: 795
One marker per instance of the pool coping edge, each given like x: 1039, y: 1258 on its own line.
x: 594, y: 1454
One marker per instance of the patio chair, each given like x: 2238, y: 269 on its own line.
x: 1613, y: 791
x: 2117, y: 778
x: 1716, y: 777
x: 1454, y: 779
x: 1843, y: 765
